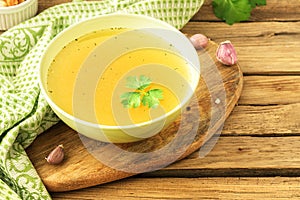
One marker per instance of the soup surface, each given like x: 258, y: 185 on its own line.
x: 89, y: 75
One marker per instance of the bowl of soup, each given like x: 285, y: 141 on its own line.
x: 119, y: 77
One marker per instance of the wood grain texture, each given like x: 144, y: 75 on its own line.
x: 270, y: 90
x: 275, y: 10
x: 191, y: 188
x: 259, y: 30
x: 263, y: 48
x: 264, y: 120
x: 268, y: 106
x: 249, y: 156
x: 43, y: 5
x: 81, y: 169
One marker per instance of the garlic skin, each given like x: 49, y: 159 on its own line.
x: 56, y: 156
x: 199, y: 41
x: 226, y: 53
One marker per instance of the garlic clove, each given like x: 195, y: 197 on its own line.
x: 199, y: 41
x: 226, y: 53
x: 56, y: 156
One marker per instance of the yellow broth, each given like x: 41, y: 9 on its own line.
x: 100, y: 102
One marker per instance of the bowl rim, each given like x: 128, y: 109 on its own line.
x: 14, y: 8
x: 115, y: 127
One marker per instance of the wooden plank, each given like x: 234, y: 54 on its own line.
x: 43, y: 5
x: 273, y: 11
x: 277, y: 10
x: 193, y: 188
x: 273, y: 55
x: 269, y: 105
x: 205, y: 13
x: 260, y: 47
x: 264, y: 120
x: 270, y: 90
x: 249, y: 156
x: 240, y: 156
x: 219, y: 30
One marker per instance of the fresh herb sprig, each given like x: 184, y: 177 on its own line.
x: 235, y: 10
x: 141, y: 95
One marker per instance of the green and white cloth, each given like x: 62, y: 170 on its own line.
x: 24, y: 113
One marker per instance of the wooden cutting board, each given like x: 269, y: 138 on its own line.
x: 217, y: 93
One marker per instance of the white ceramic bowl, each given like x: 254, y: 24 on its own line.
x: 13, y: 15
x: 118, y: 134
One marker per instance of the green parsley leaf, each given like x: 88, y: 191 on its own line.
x: 255, y: 3
x: 235, y: 10
x: 131, y: 99
x: 152, y: 97
x: 232, y: 10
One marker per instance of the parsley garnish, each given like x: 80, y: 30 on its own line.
x: 150, y: 97
x: 235, y: 10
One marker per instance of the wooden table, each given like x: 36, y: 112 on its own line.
x: 257, y: 155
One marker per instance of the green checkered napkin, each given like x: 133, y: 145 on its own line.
x: 24, y: 113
